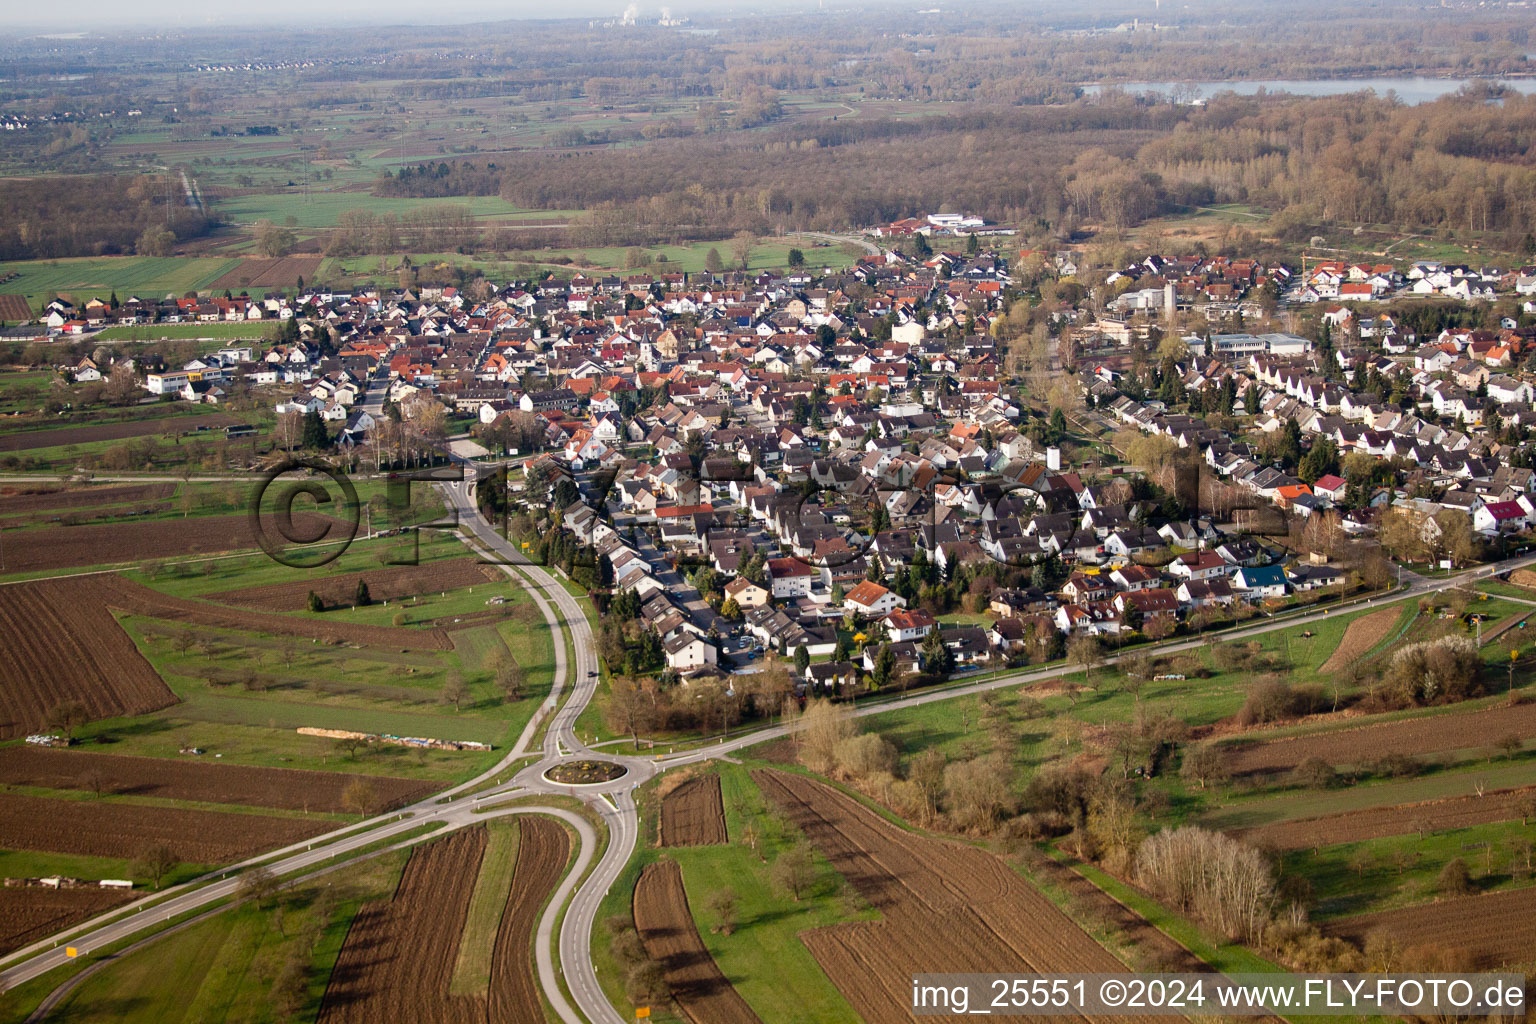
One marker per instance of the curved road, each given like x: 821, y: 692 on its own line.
x: 613, y: 802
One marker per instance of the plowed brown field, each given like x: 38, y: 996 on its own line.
x: 398, y: 958
x: 692, y: 814
x: 945, y: 907
x: 14, y: 500
x: 386, y: 584
x: 27, y: 915
x: 268, y: 272
x: 1497, y: 928
x: 1451, y: 730
x: 61, y: 643
x: 24, y: 440
x: 666, y: 927
x: 1372, y: 822
x: 102, y: 828
x: 287, y: 789
x: 542, y: 849
x: 128, y: 596
x: 65, y: 547
x: 1363, y: 633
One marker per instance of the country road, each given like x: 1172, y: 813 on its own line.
x: 575, y: 682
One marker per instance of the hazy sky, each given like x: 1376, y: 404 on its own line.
x: 76, y: 15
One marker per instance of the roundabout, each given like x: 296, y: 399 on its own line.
x: 586, y: 772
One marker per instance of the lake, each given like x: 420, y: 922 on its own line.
x: 1409, y: 90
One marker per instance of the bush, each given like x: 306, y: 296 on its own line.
x: 860, y: 757
x: 1314, y: 773
x: 1455, y: 879
x: 1435, y: 671
x: 315, y: 603
x: 1397, y: 766
x: 1225, y: 883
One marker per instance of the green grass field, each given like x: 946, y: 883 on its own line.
x: 143, y: 276
x: 322, y: 209
x: 472, y: 969
x: 1359, y: 878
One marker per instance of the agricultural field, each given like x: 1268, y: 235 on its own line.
x: 1436, y: 731
x: 1497, y: 929
x: 398, y: 961
x: 389, y: 583
x: 944, y: 906
x: 258, y: 274
x: 692, y: 814
x: 112, y: 827
x: 666, y: 927
x: 1359, y: 825
x: 63, y: 645
x: 92, y: 544
x: 761, y: 954
x: 24, y: 440
x: 30, y: 913
x: 204, y: 781
x: 98, y: 277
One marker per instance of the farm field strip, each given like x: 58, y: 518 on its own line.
x: 72, y: 547
x: 15, y: 501
x: 279, y: 788
x: 27, y: 914
x: 945, y: 907
x: 543, y: 850
x: 1497, y: 928
x: 54, y: 437
x: 1363, y: 634
x: 398, y: 959
x: 387, y: 583
x: 63, y: 644
x: 1358, y: 825
x: 1364, y: 742
x: 132, y: 598
x: 115, y: 829
x: 693, y: 815
x: 666, y: 927
x: 398, y: 956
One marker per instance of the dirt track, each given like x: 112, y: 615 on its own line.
x: 1363, y: 744
x: 61, y: 643
x: 282, y: 788
x: 384, y: 584
x: 104, y: 828
x: 1373, y: 822
x: 945, y: 907
x: 666, y: 927
x: 692, y: 814
x: 1497, y: 928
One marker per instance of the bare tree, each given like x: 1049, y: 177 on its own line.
x: 360, y: 797
x: 156, y: 861
x: 793, y: 871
